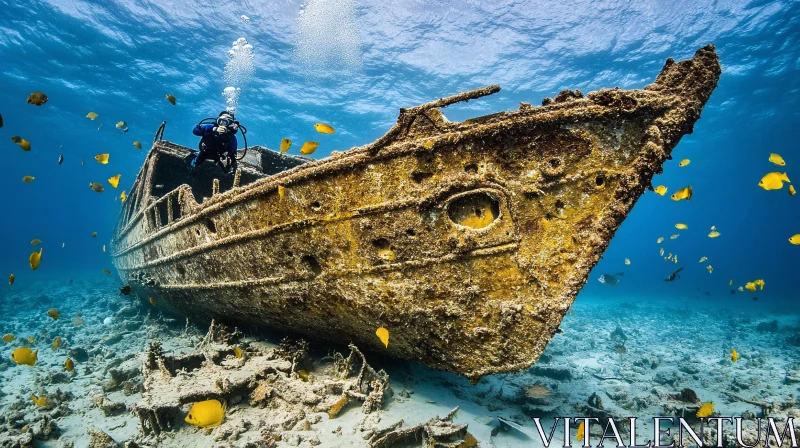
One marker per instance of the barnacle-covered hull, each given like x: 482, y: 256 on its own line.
x: 467, y: 241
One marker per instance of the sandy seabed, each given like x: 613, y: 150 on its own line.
x: 614, y: 358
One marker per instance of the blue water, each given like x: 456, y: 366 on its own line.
x: 352, y: 64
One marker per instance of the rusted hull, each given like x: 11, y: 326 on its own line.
x: 467, y: 241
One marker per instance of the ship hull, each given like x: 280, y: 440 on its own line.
x: 467, y: 241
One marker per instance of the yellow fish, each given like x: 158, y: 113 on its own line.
x: 35, y: 259
x: 11, y: 279
x: 94, y: 234
x: 660, y: 190
x: 30, y: 339
x: 56, y: 343
x: 92, y: 115
x: 702, y: 259
x: 309, y: 147
x: 684, y: 162
x: 750, y: 286
x: 674, y: 237
x: 106, y: 271
x: 734, y: 355
x: 683, y: 193
x: 121, y: 125
x: 713, y: 233
x: 24, y: 355
x: 661, y: 252
x: 302, y: 375
x: 383, y: 335
x: 324, y: 128
x: 236, y: 351
x: 760, y: 284
x: 710, y: 269
x: 114, y: 180
x: 627, y: 261
x: 137, y: 144
x: 37, y: 98
x: 705, y: 410
x: 777, y: 159
x: 172, y: 99
x: 153, y: 301
x: 795, y: 239
x: 581, y: 429
x: 16, y: 138
x: 102, y: 158
x: 97, y: 187
x: 206, y: 414
x: 660, y: 240
x: 792, y: 191
x: 52, y: 312
x: 730, y: 283
x: 123, y: 197
x: 40, y: 402
x: 741, y: 289
x: 28, y: 179
x: 773, y: 181
x: 9, y: 338
x: 25, y: 145
x: 285, y: 145
x: 681, y: 226
x: 675, y: 259
x: 69, y: 365
x: 36, y: 242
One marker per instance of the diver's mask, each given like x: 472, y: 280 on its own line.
x: 225, y: 120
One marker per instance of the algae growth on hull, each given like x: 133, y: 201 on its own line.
x: 384, y: 231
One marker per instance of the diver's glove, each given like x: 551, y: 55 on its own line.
x: 220, y: 130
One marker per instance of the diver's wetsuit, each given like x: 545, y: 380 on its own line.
x: 213, y: 145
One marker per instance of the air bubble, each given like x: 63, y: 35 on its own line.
x: 238, y: 71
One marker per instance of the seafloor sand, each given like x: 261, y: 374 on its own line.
x: 664, y: 347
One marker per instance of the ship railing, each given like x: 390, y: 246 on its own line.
x: 170, y: 208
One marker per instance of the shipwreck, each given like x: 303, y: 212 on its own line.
x: 467, y: 240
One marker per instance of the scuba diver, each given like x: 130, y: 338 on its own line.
x: 218, y: 142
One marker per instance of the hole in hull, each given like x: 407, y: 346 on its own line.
x: 419, y: 176
x: 385, y: 249
x: 476, y: 210
x: 313, y: 264
x: 599, y: 181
